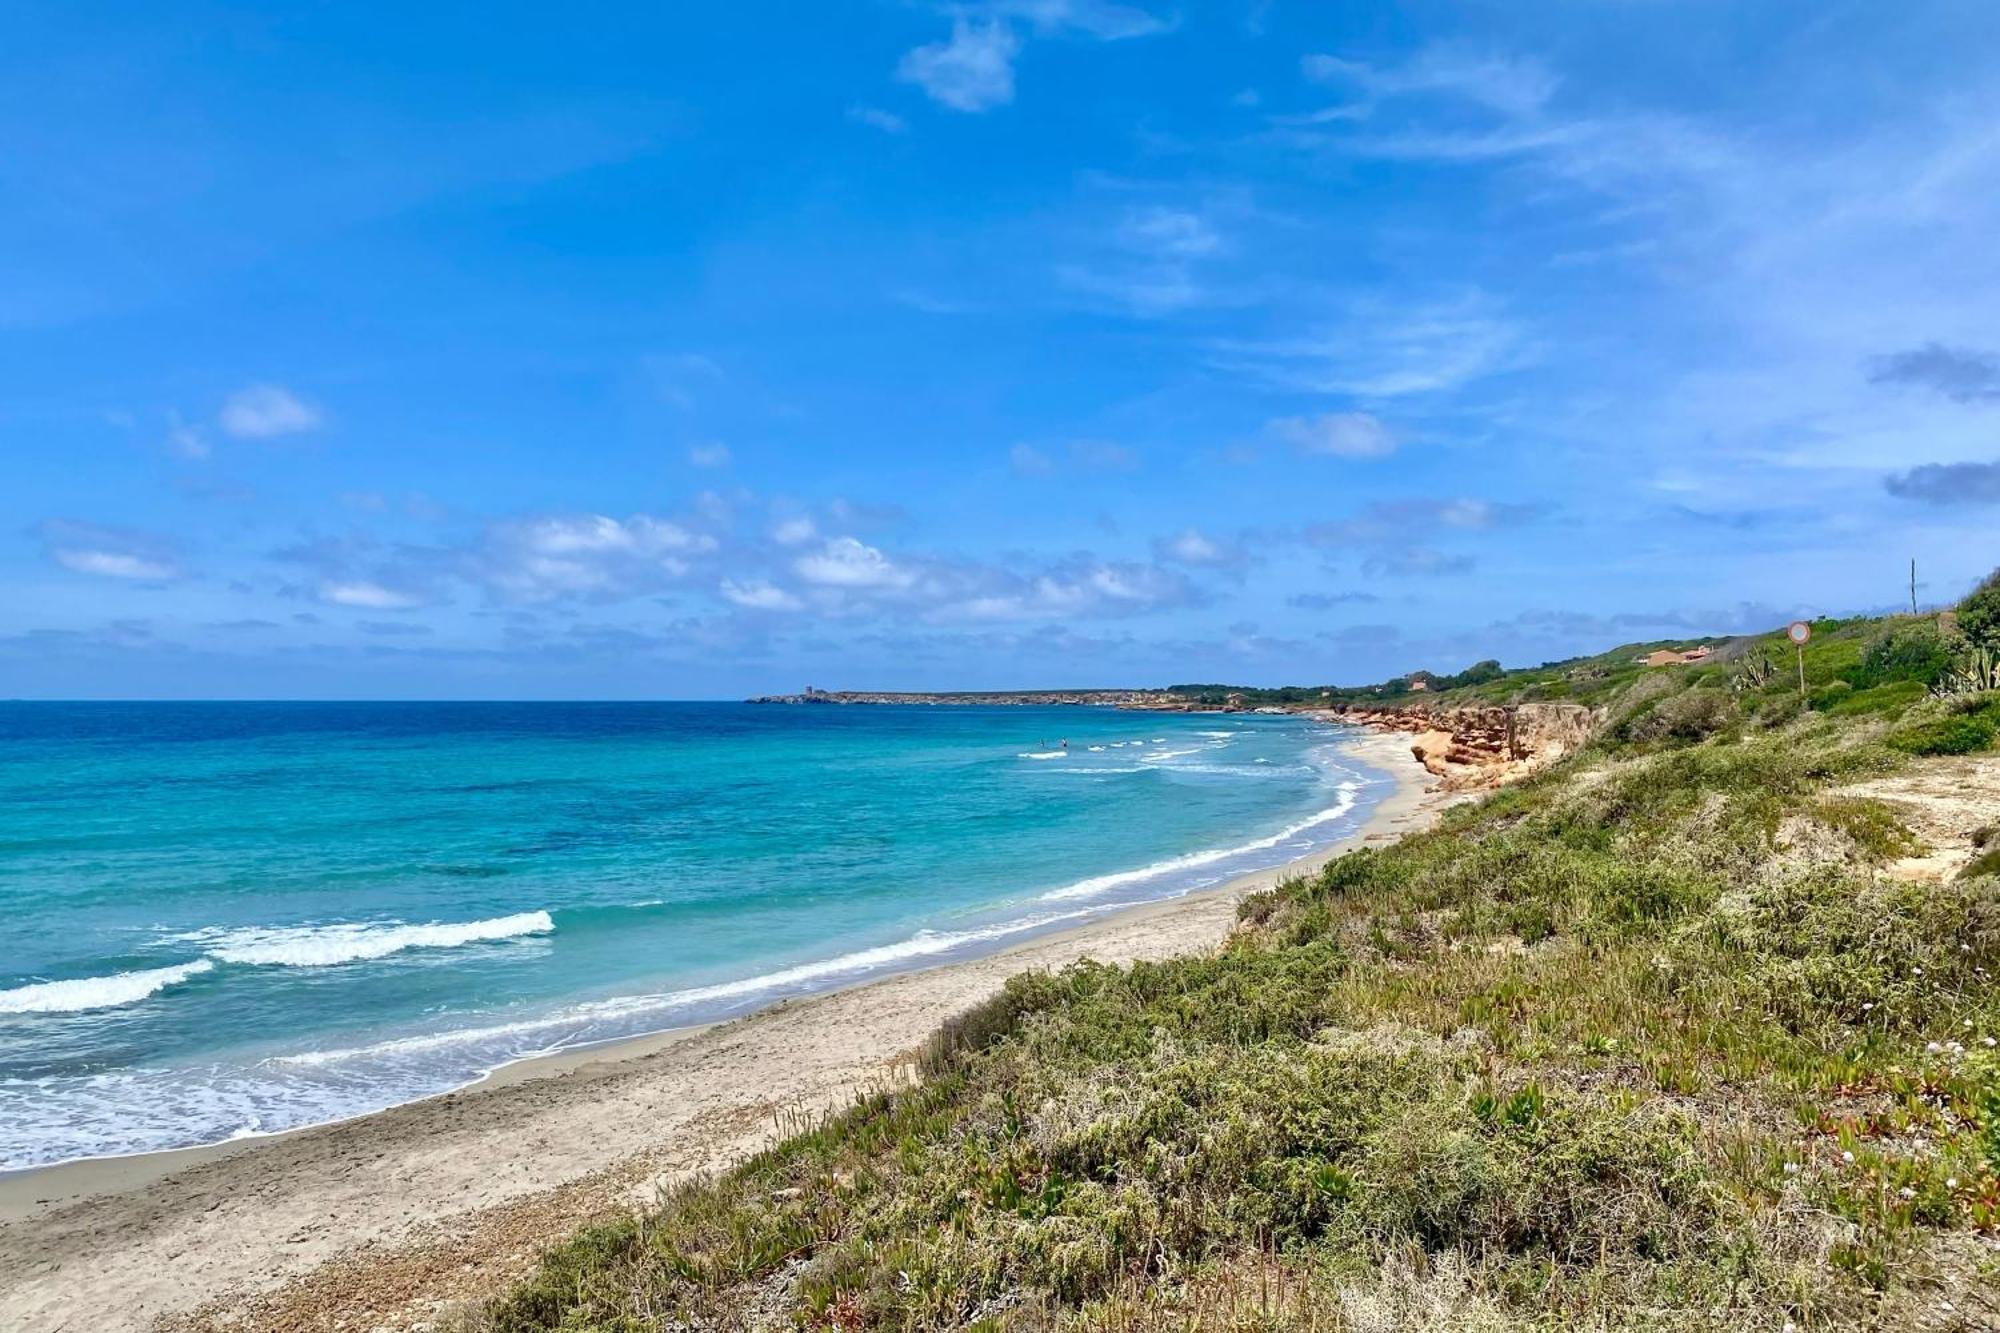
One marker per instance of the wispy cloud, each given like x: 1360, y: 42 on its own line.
x: 1101, y: 19
x: 972, y: 71
x: 1399, y: 520
x: 1417, y: 562
x: 1326, y: 601
x: 267, y: 412
x: 113, y: 553
x: 367, y: 595
x: 759, y: 595
x: 1198, y: 550
x: 1337, y: 434
x: 1151, y: 261
x: 1387, y: 350
x: 1028, y: 460
x: 1510, y: 84
x: 876, y: 118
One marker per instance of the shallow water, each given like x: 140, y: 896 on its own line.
x: 229, y: 919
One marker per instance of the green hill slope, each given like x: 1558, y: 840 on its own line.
x: 1653, y: 1040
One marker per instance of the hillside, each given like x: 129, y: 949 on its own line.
x: 1693, y: 1027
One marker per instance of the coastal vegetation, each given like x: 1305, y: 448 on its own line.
x: 1670, y: 1035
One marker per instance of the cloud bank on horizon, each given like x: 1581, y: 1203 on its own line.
x: 994, y: 343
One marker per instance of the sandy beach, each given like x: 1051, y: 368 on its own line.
x: 392, y: 1219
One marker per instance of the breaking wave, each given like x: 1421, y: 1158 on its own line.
x: 325, y: 946
x: 84, y: 993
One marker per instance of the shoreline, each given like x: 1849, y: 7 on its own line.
x: 450, y: 1194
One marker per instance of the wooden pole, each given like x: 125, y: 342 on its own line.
x: 1802, y: 669
x: 1913, y: 585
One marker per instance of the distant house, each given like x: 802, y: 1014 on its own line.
x: 1675, y: 657
x: 1418, y: 685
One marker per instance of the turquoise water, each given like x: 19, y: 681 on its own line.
x: 230, y: 919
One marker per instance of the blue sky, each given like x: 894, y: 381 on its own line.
x: 694, y: 351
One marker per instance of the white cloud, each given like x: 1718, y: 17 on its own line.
x: 587, y: 555
x: 267, y: 412
x: 112, y: 564
x: 1079, y: 587
x: 1339, y: 434
x: 112, y: 553
x: 367, y: 595
x: 759, y: 595
x: 844, y: 562
x: 1195, y: 548
x: 795, y: 531
x: 711, y: 454
x: 886, y: 121
x: 973, y: 71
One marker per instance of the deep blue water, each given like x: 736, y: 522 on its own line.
x: 225, y: 919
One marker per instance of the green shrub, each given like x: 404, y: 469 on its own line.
x: 1979, y: 614
x: 1690, y: 716
x: 1964, y: 734
x: 1908, y: 650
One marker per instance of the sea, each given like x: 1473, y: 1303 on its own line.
x: 220, y: 920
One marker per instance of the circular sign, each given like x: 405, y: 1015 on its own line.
x: 1800, y: 631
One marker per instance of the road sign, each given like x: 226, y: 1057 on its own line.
x: 1798, y: 634
x: 1800, y: 631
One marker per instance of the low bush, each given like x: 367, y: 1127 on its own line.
x: 1960, y: 734
x: 1690, y: 716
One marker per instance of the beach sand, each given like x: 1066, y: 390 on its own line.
x: 390, y: 1220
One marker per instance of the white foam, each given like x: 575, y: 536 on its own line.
x: 69, y: 997
x: 1161, y: 756
x: 1096, y: 884
x: 325, y: 946
x: 1096, y: 747
x: 1044, y: 754
x: 923, y: 944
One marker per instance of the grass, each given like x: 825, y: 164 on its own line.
x: 1645, y: 1042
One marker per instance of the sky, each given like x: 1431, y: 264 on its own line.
x: 697, y: 351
